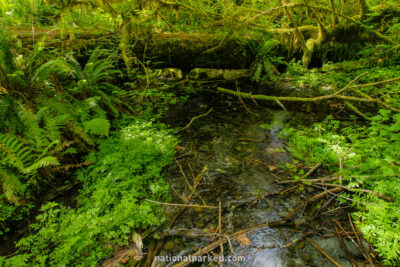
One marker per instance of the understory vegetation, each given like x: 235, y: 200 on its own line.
x: 85, y: 86
x: 110, y: 205
x: 370, y: 171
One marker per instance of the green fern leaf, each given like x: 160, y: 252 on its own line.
x: 44, y: 162
x: 80, y: 132
x: 14, y: 151
x: 97, y: 126
x: 11, y: 184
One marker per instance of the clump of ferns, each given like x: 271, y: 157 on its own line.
x: 29, y: 154
x: 91, y: 80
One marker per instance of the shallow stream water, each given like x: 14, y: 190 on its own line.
x: 242, y: 159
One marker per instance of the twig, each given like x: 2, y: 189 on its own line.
x: 375, y: 83
x: 220, y: 226
x: 345, y: 249
x: 366, y: 257
x: 301, y: 215
x: 150, y: 260
x: 341, y: 164
x: 195, y: 118
x: 242, y: 102
x: 183, y: 175
x: 346, y: 198
x: 381, y: 196
x: 281, y: 105
x: 323, y: 252
x: 351, y: 83
x: 182, y: 205
x: 361, y: 248
x: 321, y: 195
x: 311, y: 171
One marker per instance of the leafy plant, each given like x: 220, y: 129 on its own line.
x: 111, y: 203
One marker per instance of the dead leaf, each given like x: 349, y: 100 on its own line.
x: 272, y: 168
x: 243, y: 240
x: 3, y: 90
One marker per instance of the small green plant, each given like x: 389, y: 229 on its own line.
x: 110, y: 205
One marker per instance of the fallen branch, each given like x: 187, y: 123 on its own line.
x: 381, y: 196
x: 311, y: 171
x: 321, y: 195
x: 195, y: 118
x: 335, y: 95
x: 182, y: 205
x: 327, y: 179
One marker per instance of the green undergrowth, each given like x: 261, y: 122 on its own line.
x: 371, y: 161
x: 110, y: 206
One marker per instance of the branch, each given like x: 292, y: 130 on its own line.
x: 195, y: 118
x: 182, y: 205
x: 336, y: 95
x: 381, y: 196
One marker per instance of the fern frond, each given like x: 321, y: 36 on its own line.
x: 97, y: 126
x: 14, y: 151
x: 46, y: 150
x: 43, y: 162
x: 11, y: 184
x: 80, y: 132
x: 31, y: 123
x: 52, y: 66
x: 75, y: 67
x: 108, y: 101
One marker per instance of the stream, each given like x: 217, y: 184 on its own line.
x: 242, y: 160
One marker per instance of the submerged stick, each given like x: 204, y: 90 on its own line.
x: 322, y: 252
x: 195, y: 118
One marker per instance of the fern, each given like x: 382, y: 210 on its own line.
x: 90, y: 80
x: 11, y: 184
x: 41, y: 163
x: 14, y: 151
x: 97, y: 126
